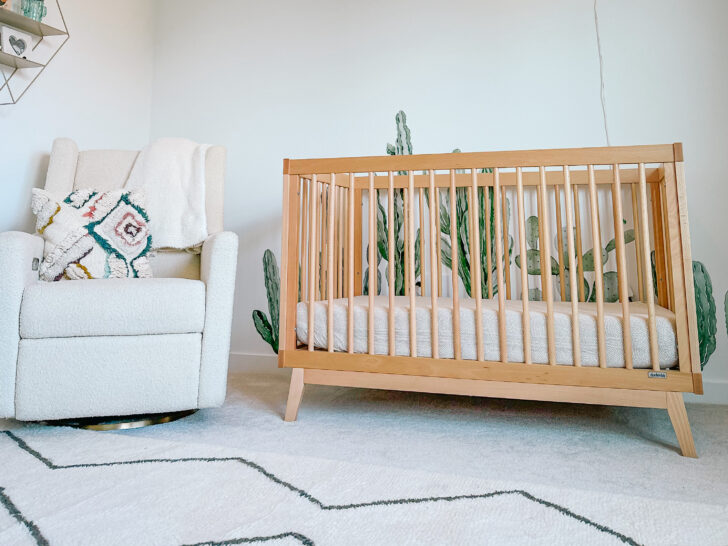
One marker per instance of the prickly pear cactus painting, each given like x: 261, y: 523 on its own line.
x: 268, y: 329
x: 533, y: 264
x: 705, y: 310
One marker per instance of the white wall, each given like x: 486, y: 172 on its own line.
x: 325, y: 78
x: 97, y: 90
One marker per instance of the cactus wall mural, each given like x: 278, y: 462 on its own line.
x: 403, y: 146
x: 705, y: 310
x: 268, y: 328
x: 533, y: 264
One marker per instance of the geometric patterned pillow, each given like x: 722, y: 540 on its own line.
x: 93, y: 235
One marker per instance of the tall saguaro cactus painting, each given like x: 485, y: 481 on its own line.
x: 403, y: 146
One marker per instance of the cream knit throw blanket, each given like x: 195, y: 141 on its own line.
x: 172, y: 173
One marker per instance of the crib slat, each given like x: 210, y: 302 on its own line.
x: 330, y: 286
x: 372, y: 288
x: 506, y: 246
x: 323, y: 223
x: 471, y: 244
x: 358, y: 227
x: 306, y: 240
x: 579, y: 255
x: 649, y: 287
x: 344, y: 190
x: 390, y: 265
x: 438, y: 231
x: 658, y: 236
x: 350, y: 286
x: 598, y: 267
x: 526, y: 317
x: 502, y: 341
x: 335, y: 270
x: 344, y: 241
x: 666, y: 239
x: 560, y: 243
x: 573, y: 290
x: 455, y: 267
x: 411, y: 263
x: 433, y: 269
x: 337, y: 258
x: 637, y: 240
x: 546, y: 253
x: 622, y: 266
x: 405, y: 230
x: 423, y: 282
x: 313, y: 262
x: 488, y: 250
x: 475, y: 282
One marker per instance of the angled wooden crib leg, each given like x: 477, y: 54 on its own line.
x: 679, y: 417
x: 295, y: 393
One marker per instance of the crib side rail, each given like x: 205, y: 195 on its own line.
x: 343, y: 214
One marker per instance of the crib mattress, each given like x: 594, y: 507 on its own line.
x: 665, y: 320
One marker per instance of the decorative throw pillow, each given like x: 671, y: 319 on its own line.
x: 93, y: 235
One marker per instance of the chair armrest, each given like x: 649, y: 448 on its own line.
x: 17, y: 252
x: 218, y: 265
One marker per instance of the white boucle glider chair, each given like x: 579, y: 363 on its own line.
x: 112, y: 347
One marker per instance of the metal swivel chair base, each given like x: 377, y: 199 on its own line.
x: 121, y: 422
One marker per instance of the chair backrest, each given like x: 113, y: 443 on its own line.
x: 71, y: 169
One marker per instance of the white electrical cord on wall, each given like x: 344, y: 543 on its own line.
x: 601, y: 73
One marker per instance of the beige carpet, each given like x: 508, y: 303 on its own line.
x: 370, y: 467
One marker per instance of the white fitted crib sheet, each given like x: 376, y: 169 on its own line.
x: 665, y: 320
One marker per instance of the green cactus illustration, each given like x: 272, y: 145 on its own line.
x: 705, y: 310
x: 402, y: 146
x: 268, y: 329
x: 609, y: 278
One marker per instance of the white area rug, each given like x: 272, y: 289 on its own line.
x: 368, y: 467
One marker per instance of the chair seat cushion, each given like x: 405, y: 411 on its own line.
x: 112, y: 307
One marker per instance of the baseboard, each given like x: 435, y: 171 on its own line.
x: 246, y: 362
x: 716, y: 390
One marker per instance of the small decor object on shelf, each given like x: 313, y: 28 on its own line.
x: 5, y: 4
x: 34, y: 9
x: 15, y: 42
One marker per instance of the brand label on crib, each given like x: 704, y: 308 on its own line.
x: 657, y: 375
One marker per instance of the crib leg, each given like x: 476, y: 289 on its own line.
x: 679, y: 417
x: 295, y: 393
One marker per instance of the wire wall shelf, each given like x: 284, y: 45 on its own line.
x: 15, y: 69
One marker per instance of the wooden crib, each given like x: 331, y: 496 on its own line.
x: 423, y: 220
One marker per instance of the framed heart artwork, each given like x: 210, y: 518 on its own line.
x: 15, y: 42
